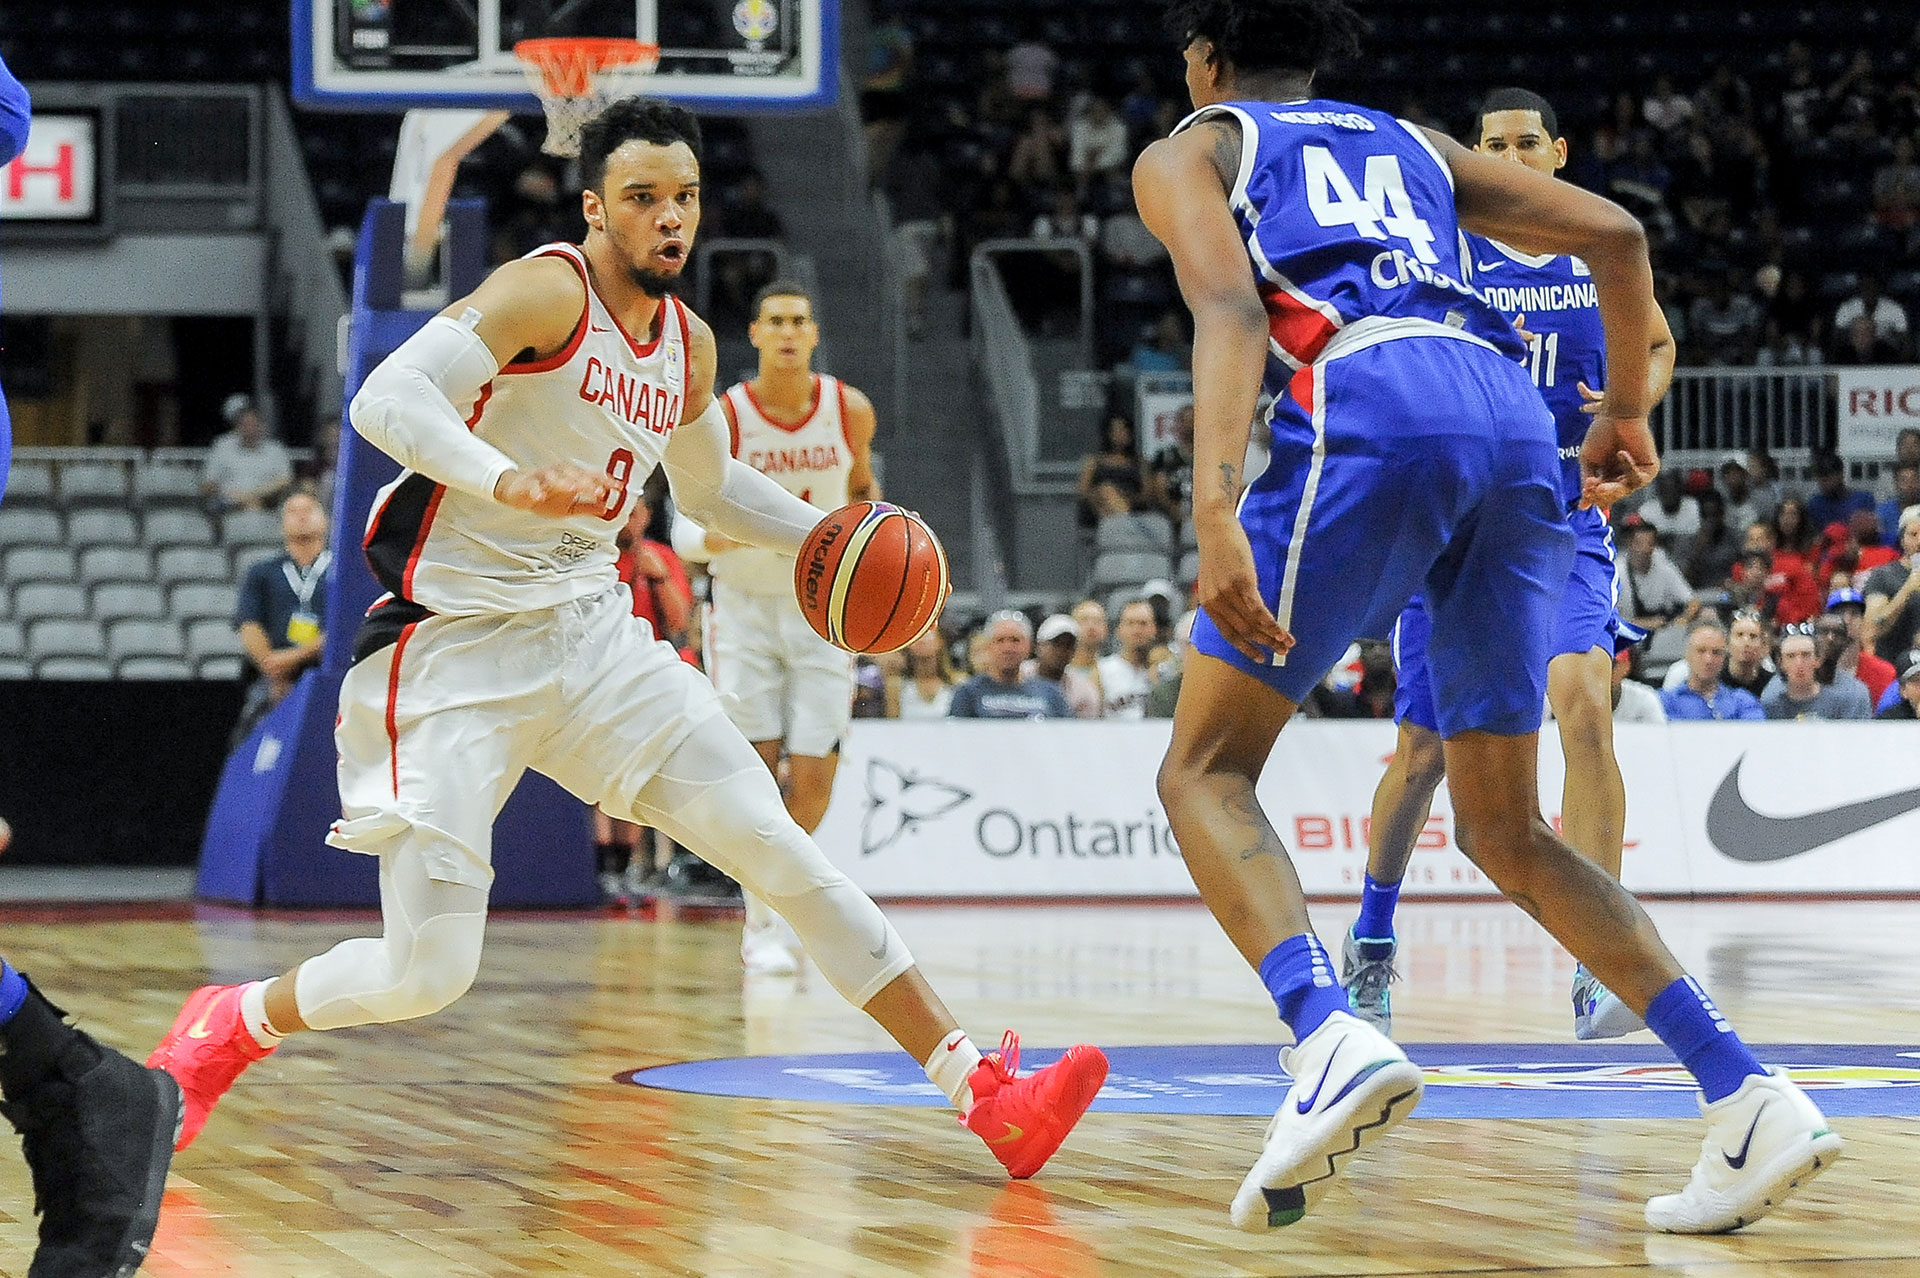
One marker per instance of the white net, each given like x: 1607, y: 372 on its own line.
x: 575, y: 79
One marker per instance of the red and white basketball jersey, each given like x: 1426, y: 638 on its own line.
x: 813, y: 460
x: 606, y: 402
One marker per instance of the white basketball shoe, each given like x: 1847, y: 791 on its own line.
x: 769, y: 949
x: 1763, y: 1142
x: 1350, y: 1086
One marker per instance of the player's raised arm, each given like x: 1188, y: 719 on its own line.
x: 406, y: 406
x: 715, y: 489
x: 1517, y: 206
x: 1180, y: 186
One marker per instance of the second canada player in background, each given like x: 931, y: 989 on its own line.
x: 787, y: 689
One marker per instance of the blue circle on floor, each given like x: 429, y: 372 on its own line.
x: 1464, y: 1080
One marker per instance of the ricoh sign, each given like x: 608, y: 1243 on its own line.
x: 56, y: 179
x: 1876, y: 404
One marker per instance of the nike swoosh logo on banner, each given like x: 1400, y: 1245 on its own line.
x: 1739, y: 1160
x: 1303, y: 1106
x: 1742, y: 834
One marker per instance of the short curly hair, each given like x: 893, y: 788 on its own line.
x: 633, y: 119
x: 1270, y: 35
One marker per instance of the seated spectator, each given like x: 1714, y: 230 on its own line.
x: 1703, y: 696
x: 1837, y: 637
x: 1127, y: 676
x: 1674, y: 515
x: 1907, y: 706
x: 1170, y: 479
x: 1854, y: 548
x: 1127, y: 245
x: 1055, y: 644
x: 1030, y: 70
x: 1906, y: 492
x: 1090, y: 624
x: 1725, y: 323
x: 654, y: 575
x: 870, y: 678
x: 1896, y: 188
x: 924, y: 687
x: 246, y: 468
x: 1832, y: 502
x: 1666, y: 109
x: 1633, y: 701
x: 1166, y: 693
x: 1096, y: 142
x: 999, y: 692
x: 1749, y: 662
x: 282, y: 609
x: 1372, y: 696
x: 1162, y: 348
x: 1066, y: 221
x: 1713, y: 550
x: 1744, y: 503
x: 1653, y: 593
x: 1794, y: 532
x: 1037, y: 152
x: 1112, y: 481
x: 1887, y: 318
x: 1797, y: 693
x: 1893, y: 594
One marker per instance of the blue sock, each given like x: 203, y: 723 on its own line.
x: 13, y: 991
x: 1686, y: 1020
x: 1376, y: 911
x: 1299, y: 975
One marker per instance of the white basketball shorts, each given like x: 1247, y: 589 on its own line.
x: 437, y: 727
x: 778, y: 680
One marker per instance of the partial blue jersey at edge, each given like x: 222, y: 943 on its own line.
x: 1348, y: 214
x: 1556, y: 299
x: 16, y: 115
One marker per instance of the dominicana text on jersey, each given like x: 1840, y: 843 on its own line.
x: 1555, y: 298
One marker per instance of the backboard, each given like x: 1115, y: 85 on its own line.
x: 715, y: 55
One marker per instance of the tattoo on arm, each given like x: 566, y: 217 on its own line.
x: 1226, y: 150
x: 1229, y: 481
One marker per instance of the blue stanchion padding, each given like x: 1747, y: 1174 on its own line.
x: 265, y: 840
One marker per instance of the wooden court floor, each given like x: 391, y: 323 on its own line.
x: 492, y: 1140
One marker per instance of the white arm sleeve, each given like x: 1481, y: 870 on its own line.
x: 406, y: 406
x: 729, y: 496
x: 689, y: 539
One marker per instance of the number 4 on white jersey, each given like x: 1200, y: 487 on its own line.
x: 1387, y: 209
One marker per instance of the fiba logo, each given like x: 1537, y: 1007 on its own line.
x: 755, y: 20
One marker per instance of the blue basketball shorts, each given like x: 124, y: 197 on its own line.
x: 1588, y: 618
x: 1419, y: 464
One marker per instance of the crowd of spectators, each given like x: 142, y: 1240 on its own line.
x: 1781, y: 192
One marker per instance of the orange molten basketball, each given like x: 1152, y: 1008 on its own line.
x: 871, y: 577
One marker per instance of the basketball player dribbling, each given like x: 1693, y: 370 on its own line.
x: 785, y: 687
x: 1552, y: 298
x: 1319, y: 247
x: 526, y: 415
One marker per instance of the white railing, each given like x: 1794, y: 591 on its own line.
x: 1005, y: 357
x: 306, y: 283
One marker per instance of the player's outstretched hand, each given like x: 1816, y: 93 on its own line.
x: 555, y: 491
x: 1617, y: 458
x: 1229, y: 590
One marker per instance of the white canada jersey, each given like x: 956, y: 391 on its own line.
x: 813, y: 460
x: 605, y: 402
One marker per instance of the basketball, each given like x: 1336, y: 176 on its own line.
x: 871, y: 577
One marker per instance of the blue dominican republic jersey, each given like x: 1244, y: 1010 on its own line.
x: 1555, y: 297
x: 1348, y: 214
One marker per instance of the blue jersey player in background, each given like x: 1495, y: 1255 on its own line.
x: 1318, y: 246
x: 98, y: 1128
x: 1554, y: 300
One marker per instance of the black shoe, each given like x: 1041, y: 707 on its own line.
x: 98, y: 1135
x: 690, y: 879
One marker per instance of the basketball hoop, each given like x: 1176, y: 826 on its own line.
x: 576, y: 77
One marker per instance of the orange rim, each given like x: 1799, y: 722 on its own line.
x: 568, y: 64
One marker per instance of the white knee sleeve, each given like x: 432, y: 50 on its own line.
x: 427, y: 958
x: 715, y: 796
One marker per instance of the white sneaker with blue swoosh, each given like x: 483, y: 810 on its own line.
x: 1351, y: 1085
x: 1763, y: 1142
